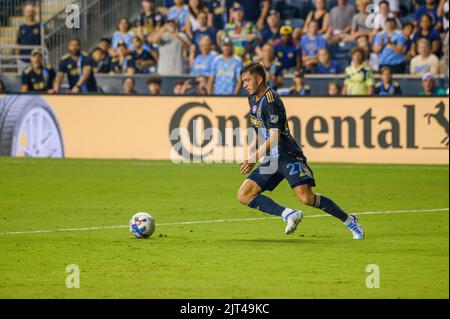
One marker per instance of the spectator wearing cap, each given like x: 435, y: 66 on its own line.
x: 359, y: 78
x: 129, y: 85
x: 430, y: 8
x: 272, y: 30
x: 429, y: 87
x: 320, y: 15
x: 360, y: 26
x: 425, y: 62
x: 326, y: 65
x: 145, y: 60
x: 226, y: 72
x: 193, y: 21
x: 149, y: 20
x: 123, y: 63
x: 202, y: 64
x: 425, y: 31
x: 98, y: 56
x: 390, y: 45
x: 179, y: 12
x: 29, y: 33
x: 341, y: 21
x: 122, y: 35
x: 243, y: 34
x: 38, y: 77
x: 310, y: 44
x: 387, y: 86
x: 286, y: 52
x: 382, y: 15
x: 154, y: 85
x: 203, y: 30
x: 172, y: 45
x: 299, y: 88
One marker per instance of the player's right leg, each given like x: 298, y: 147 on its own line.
x: 249, y: 194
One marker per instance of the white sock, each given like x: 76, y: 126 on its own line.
x: 348, y: 220
x: 286, y: 212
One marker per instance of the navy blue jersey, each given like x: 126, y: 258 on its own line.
x: 73, y: 68
x: 393, y: 89
x: 144, y: 56
x: 104, y: 65
x: 150, y: 22
x: 121, y: 67
x: 38, y: 81
x: 269, y: 113
x: 29, y: 35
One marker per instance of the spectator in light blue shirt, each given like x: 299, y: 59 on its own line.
x: 202, y: 64
x: 310, y: 45
x: 390, y: 45
x: 226, y: 72
x: 122, y: 35
x: 179, y: 12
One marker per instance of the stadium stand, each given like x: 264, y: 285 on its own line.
x: 301, y: 43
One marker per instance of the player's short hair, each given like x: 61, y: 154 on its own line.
x: 385, y: 69
x: 74, y: 39
x: 255, y: 68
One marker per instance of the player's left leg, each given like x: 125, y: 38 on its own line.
x: 306, y: 195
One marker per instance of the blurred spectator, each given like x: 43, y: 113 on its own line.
x: 226, y: 72
x: 37, y: 77
x: 179, y: 13
x: 430, y: 8
x: 425, y: 31
x: 341, y: 17
x: 180, y: 87
x: 79, y: 69
x: 105, y: 45
x: 145, y: 61
x: 408, y: 31
x: 128, y: 85
x: 286, y: 52
x: 243, y: 34
x: 390, y: 45
x: 359, y: 78
x: 29, y: 33
x: 387, y: 86
x: 359, y: 22
x: 193, y: 21
x: 149, y: 20
x: 334, y: 89
x: 394, y: 6
x: 320, y: 15
x: 299, y: 88
x: 203, y: 31
x: 272, y: 30
x: 171, y: 45
x: 98, y: 56
x: 218, y: 14
x: 122, y: 35
x: 256, y: 11
x: 326, y: 65
x: 429, y: 87
x: 203, y: 63
x: 154, y: 85
x: 443, y: 13
x: 272, y: 66
x: 425, y: 62
x: 310, y: 44
x: 201, y: 87
x: 371, y: 58
x: 2, y: 87
x: 383, y: 14
x: 123, y: 63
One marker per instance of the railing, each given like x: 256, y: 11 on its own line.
x: 10, y: 56
x: 98, y: 18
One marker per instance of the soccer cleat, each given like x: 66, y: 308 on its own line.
x: 292, y: 220
x: 356, y: 228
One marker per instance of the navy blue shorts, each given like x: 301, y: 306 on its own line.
x: 292, y: 168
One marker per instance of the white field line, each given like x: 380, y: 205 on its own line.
x: 217, y: 221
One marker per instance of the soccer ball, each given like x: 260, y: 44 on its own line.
x: 142, y: 225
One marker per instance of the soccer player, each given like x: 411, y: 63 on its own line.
x: 38, y: 77
x: 267, y: 112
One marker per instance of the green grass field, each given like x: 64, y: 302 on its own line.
x: 229, y: 259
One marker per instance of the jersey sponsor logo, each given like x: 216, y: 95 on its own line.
x: 274, y: 119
